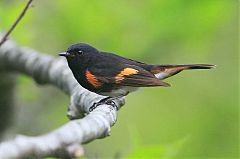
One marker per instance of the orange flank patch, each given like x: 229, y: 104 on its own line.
x: 125, y: 72
x: 92, y: 79
x: 168, y: 70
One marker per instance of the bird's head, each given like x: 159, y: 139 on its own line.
x: 79, y: 53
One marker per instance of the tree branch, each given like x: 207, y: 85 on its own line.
x: 48, y: 70
x: 7, y: 102
x: 16, y: 22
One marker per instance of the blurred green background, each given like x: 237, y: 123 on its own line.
x: 195, y: 118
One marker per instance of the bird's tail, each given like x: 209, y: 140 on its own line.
x: 165, y: 71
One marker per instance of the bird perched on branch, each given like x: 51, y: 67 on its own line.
x: 115, y: 76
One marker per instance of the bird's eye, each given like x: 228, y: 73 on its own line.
x: 80, y: 52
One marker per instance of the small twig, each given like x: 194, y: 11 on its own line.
x: 15, y: 23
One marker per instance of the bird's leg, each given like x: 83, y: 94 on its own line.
x: 108, y: 101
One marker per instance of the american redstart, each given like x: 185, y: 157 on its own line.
x: 115, y: 76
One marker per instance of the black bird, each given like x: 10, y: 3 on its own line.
x: 115, y: 76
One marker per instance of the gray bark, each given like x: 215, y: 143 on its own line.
x: 7, y: 83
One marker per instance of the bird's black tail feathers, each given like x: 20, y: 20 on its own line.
x: 185, y: 66
x: 165, y: 71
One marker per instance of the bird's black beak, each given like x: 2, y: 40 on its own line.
x: 64, y: 54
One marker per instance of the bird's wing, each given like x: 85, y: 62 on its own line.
x: 126, y: 75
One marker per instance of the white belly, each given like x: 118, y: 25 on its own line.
x: 120, y: 92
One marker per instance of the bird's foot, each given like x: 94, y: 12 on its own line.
x: 108, y: 101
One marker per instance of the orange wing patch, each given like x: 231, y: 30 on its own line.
x: 125, y: 72
x: 92, y: 79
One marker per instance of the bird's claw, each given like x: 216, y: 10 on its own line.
x: 108, y: 101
